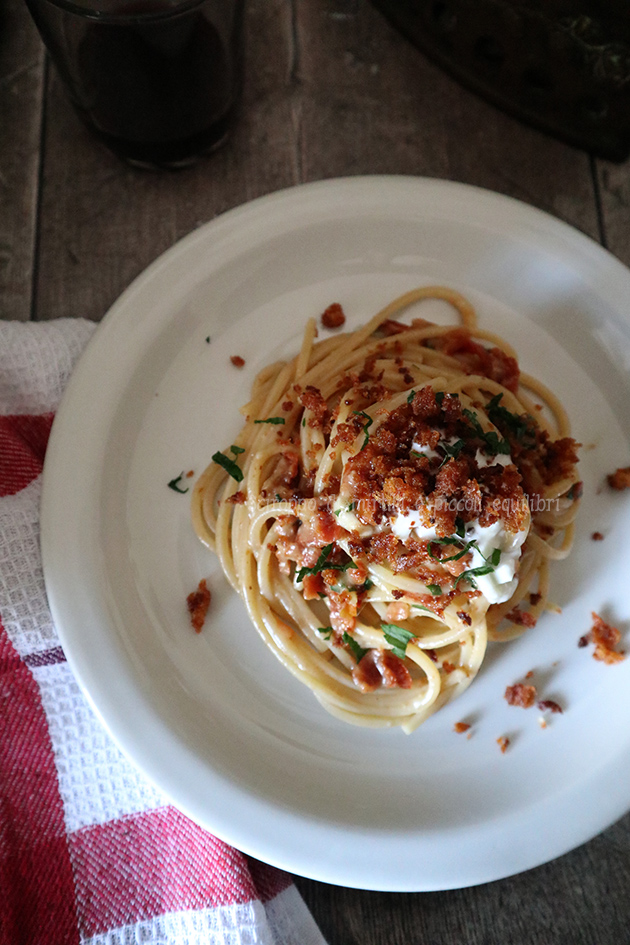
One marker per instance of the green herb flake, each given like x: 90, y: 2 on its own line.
x: 319, y: 565
x: 493, y: 444
x: 449, y: 541
x: 439, y: 396
x: 236, y: 450
x: 434, y: 589
x: 398, y: 638
x: 481, y: 571
x: 275, y: 420
x: 326, y: 632
x: 229, y: 465
x: 451, y: 450
x: 411, y: 395
x: 357, y: 651
x: 174, y: 484
x: 422, y: 607
x: 366, y: 425
x: 322, y: 564
x: 521, y: 427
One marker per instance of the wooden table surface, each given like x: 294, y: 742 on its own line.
x: 331, y: 90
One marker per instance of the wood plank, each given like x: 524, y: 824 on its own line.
x: 103, y: 222
x: 21, y: 78
x: 372, y: 103
x: 579, y: 899
x: 614, y: 186
x: 342, y: 93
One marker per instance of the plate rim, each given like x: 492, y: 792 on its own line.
x: 227, y: 226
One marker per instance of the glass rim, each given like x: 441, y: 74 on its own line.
x: 121, y: 12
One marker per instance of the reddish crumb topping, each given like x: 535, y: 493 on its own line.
x: 312, y: 399
x: 521, y: 618
x: 606, y: 638
x: 475, y: 359
x: 597, y: 536
x: 334, y: 316
x: 391, y: 327
x: 504, y: 743
x: 381, y: 668
x: 620, y: 479
x: 461, y: 727
x: 237, y: 498
x: 521, y: 695
x: 386, y: 473
x: 198, y: 603
x: 549, y: 705
x: 237, y: 361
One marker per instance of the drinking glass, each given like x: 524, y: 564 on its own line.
x: 158, y: 81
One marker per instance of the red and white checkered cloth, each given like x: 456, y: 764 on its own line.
x: 90, y: 852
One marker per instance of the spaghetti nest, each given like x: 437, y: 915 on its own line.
x: 392, y: 503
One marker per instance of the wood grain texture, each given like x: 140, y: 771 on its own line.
x: 330, y: 90
x: 103, y: 222
x: 614, y: 196
x: 372, y: 103
x: 579, y: 899
x: 21, y: 77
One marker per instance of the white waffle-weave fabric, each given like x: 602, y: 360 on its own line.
x: 90, y: 852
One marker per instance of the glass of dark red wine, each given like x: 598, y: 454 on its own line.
x: 158, y: 81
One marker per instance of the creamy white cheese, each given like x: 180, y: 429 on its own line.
x: 501, y: 459
x: 406, y: 522
x: 500, y: 584
x: 425, y: 450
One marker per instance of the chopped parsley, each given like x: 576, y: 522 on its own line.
x: 493, y: 444
x: 326, y: 632
x: 366, y: 425
x: 322, y: 564
x: 275, y: 420
x: 450, y: 541
x: 357, y: 651
x: 434, y: 589
x: 411, y: 395
x: 452, y: 450
x: 398, y: 638
x: 228, y: 464
x: 174, y: 484
x: 484, y: 569
x: 521, y: 427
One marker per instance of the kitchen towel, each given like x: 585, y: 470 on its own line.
x: 90, y: 851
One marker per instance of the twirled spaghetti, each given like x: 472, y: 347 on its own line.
x: 392, y: 502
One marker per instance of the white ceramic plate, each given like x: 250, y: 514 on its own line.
x: 214, y: 720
